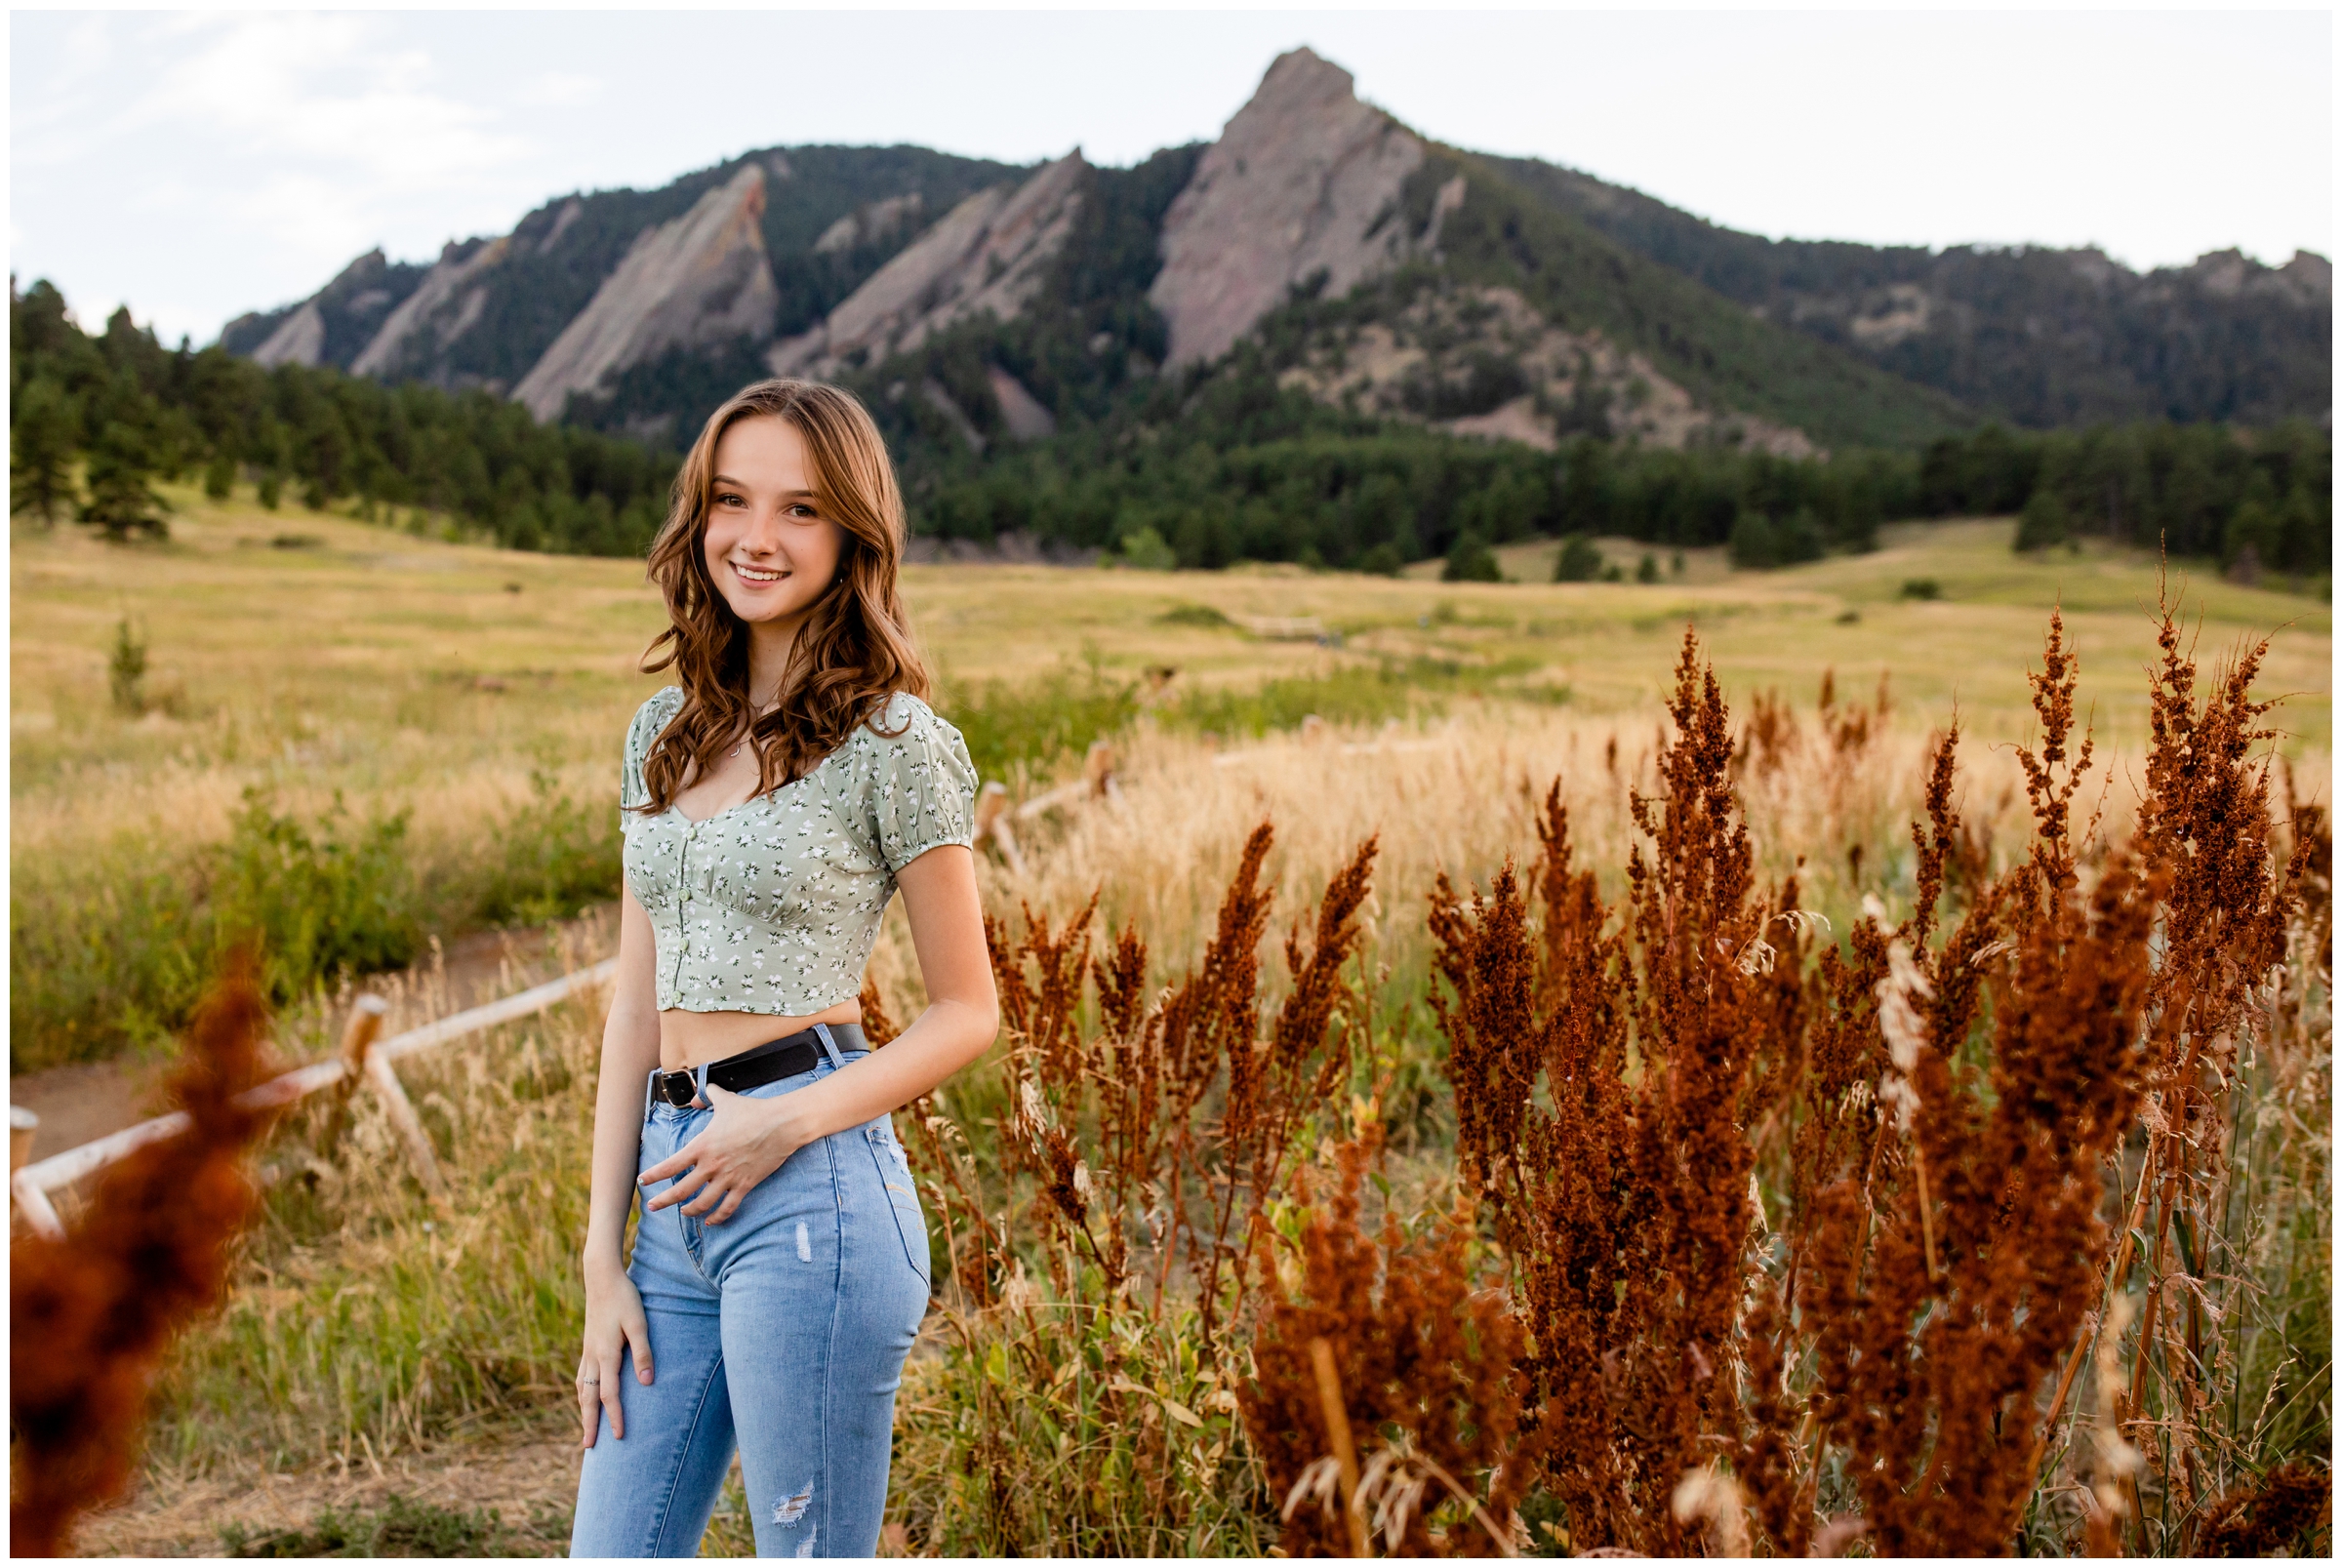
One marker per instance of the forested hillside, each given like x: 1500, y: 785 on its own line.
x: 2040, y: 335
x: 94, y: 420
x: 1200, y: 468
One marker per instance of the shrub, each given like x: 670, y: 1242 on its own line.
x: 1579, y: 561
x: 1145, y: 550
x: 560, y: 855
x: 321, y: 899
x: 125, y: 670
x: 1382, y: 560
x: 1920, y: 587
x: 1470, y: 560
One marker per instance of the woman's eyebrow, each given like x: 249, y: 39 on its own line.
x: 727, y: 479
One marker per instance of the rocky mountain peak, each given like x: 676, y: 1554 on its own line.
x: 1302, y: 181
x: 703, y: 278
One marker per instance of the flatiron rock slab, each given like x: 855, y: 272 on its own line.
x: 990, y: 253
x: 701, y: 279
x: 1305, y: 178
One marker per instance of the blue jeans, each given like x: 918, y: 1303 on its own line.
x: 783, y: 1330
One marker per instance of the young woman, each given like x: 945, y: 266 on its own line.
x: 772, y: 802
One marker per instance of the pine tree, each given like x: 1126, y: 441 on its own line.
x: 1470, y: 560
x: 1579, y: 561
x: 40, y: 452
x: 120, y: 501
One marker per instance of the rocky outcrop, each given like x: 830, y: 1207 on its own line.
x: 701, y: 279
x: 1306, y: 179
x: 300, y: 341
x: 990, y: 253
x: 333, y: 324
x: 1482, y: 361
x: 450, y: 301
x: 878, y: 220
x: 1027, y: 419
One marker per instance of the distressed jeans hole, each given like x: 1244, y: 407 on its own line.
x: 789, y: 1510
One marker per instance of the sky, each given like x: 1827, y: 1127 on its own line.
x: 196, y: 166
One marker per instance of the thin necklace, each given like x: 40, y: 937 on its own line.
x: 752, y: 719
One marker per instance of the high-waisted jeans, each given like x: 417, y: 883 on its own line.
x: 783, y: 1331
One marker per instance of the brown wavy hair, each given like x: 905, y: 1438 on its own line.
x: 854, y: 650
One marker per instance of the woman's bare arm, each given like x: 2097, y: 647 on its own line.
x: 614, y: 1315
x: 747, y: 1140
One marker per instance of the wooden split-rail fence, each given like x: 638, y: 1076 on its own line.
x: 364, y: 1056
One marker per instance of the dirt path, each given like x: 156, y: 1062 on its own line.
x: 530, y: 1480
x: 89, y: 1100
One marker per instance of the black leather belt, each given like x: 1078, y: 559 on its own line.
x: 757, y: 1065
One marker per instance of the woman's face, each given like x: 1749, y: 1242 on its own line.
x: 770, y: 551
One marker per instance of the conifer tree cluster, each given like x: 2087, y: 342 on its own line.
x: 97, y: 421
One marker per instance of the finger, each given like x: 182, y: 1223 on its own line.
x: 715, y: 1094
x: 589, y: 1408
x: 709, y: 1197
x: 731, y: 1203
x: 684, y: 1185
x: 674, y: 1164
x: 609, y: 1393
x: 637, y: 1330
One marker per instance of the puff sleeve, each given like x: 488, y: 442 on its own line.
x: 649, y: 719
x: 922, y: 787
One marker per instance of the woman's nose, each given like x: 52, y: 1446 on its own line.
x: 763, y: 536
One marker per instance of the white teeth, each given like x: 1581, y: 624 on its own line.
x: 755, y: 576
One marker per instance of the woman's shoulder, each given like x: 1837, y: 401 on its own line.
x: 655, y: 709
x: 904, y: 717
x: 651, y: 717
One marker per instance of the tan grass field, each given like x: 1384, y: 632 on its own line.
x: 402, y: 668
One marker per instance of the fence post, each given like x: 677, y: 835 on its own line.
x: 32, y: 1204
x: 384, y: 1079
x: 358, y: 1035
x: 992, y: 823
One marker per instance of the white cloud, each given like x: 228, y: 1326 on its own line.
x: 558, y: 89
x: 325, y: 89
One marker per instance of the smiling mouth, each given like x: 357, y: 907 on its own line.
x: 756, y: 575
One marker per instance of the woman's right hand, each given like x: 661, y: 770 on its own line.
x: 614, y: 1324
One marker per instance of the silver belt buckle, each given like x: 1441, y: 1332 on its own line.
x: 678, y: 1088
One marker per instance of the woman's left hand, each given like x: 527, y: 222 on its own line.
x: 745, y: 1142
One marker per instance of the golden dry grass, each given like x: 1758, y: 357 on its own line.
x: 398, y: 669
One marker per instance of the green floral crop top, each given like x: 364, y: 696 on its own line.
x: 772, y: 905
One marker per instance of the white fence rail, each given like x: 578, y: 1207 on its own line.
x: 361, y: 1055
